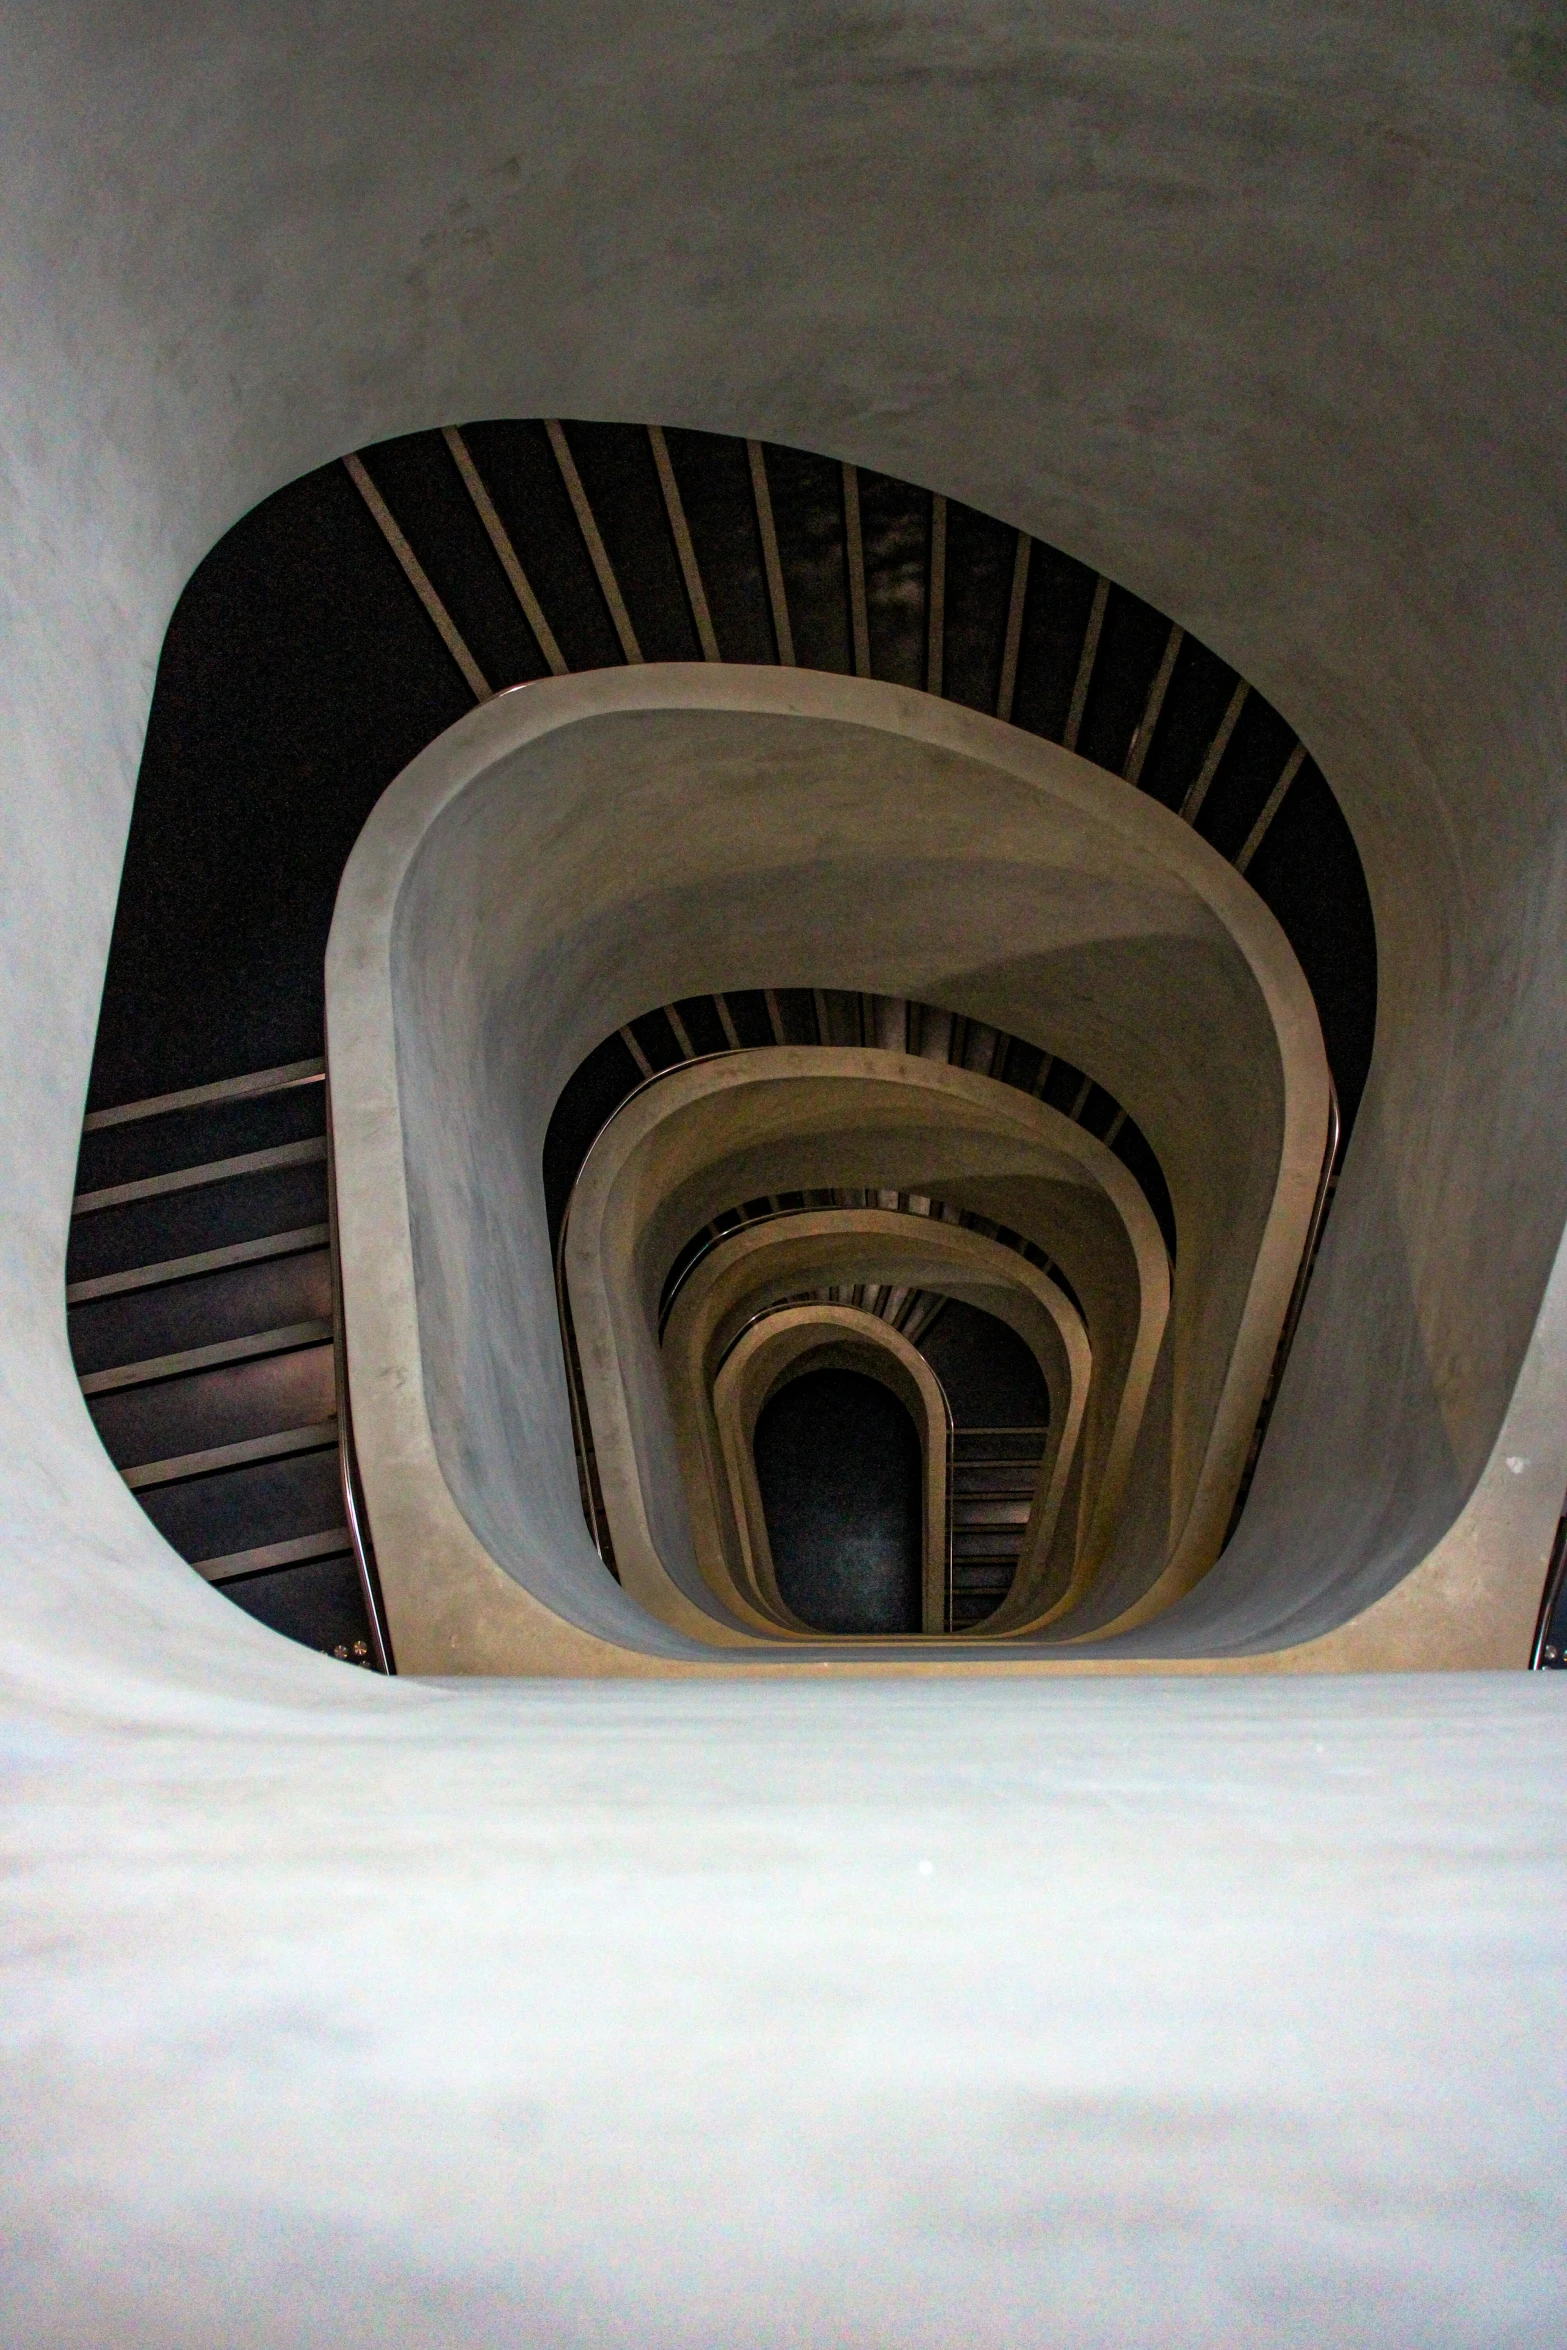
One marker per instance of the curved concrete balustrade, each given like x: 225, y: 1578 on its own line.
x: 485, y: 939
x: 803, y: 1118
x: 750, y: 1271
x: 828, y: 1017
x: 783, y: 1344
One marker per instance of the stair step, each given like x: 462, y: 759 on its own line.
x: 991, y: 1513
x: 200, y: 1307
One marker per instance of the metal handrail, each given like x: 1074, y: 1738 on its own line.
x: 1555, y: 1574
x: 574, y: 1396
x: 1308, y: 1254
x: 716, y: 1240
x: 347, y: 1457
x: 949, y: 1602
x: 1286, y: 1340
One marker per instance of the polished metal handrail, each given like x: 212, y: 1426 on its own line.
x: 347, y: 1458
x: 581, y: 1442
x: 949, y: 1602
x: 1543, y: 1656
x: 1308, y: 1254
x: 1303, y: 1273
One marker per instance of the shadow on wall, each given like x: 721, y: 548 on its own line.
x: 990, y: 1378
x: 1352, y: 1533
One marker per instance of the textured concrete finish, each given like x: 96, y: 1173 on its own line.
x: 342, y: 2015
x: 728, y: 2018
x: 1264, y: 318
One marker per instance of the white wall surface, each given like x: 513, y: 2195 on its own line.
x: 340, y: 2012
x: 758, y: 2018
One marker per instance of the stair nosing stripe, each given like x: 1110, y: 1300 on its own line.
x: 121, y: 1195
x: 254, y: 1084
x: 245, y: 1453
x: 285, y: 1338
x: 299, y: 1242
x: 299, y: 1551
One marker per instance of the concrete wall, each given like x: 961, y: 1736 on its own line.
x: 1262, y: 313
x: 195, y: 329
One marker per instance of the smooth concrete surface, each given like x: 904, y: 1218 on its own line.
x: 1268, y: 324
x: 580, y: 847
x: 339, y: 2013
x: 1134, y: 2016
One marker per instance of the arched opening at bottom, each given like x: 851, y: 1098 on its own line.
x: 839, y: 1469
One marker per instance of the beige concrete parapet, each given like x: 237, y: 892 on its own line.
x: 576, y: 849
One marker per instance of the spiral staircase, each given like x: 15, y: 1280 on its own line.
x: 345, y: 625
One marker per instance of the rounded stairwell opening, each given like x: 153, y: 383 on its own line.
x: 1002, y: 1480
x: 838, y: 1464
x: 339, y: 634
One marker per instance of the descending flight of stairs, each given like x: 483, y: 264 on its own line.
x: 992, y: 1480
x: 200, y: 1300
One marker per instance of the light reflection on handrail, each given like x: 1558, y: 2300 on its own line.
x: 580, y: 1425
x: 1544, y: 1655
x: 347, y: 1458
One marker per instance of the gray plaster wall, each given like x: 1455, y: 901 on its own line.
x: 1263, y: 313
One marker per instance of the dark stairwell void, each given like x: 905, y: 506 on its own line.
x: 838, y: 1465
